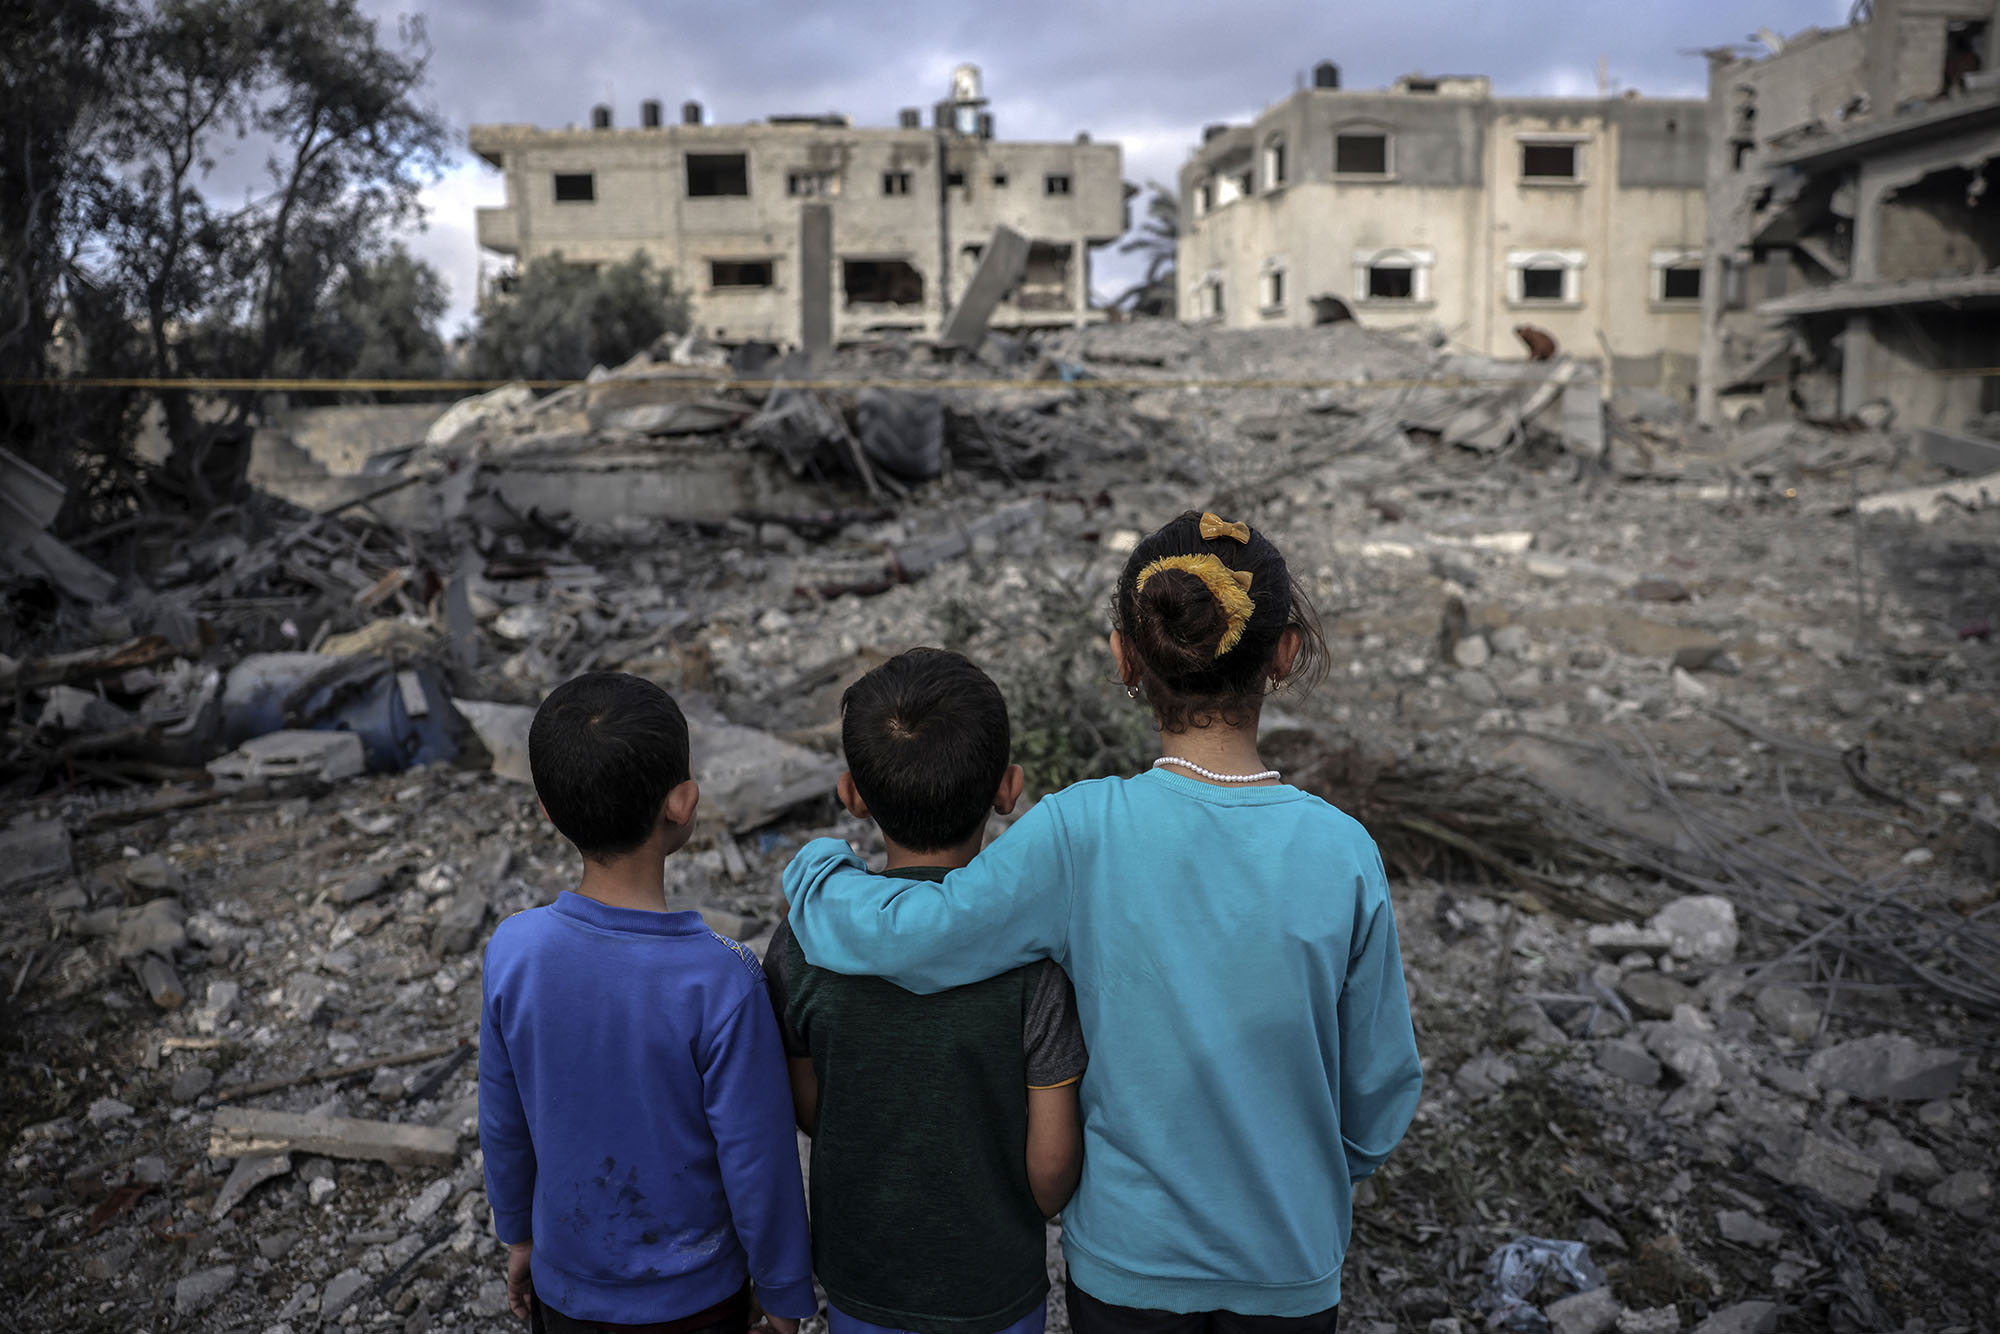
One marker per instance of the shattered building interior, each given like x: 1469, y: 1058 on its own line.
x: 1678, y: 731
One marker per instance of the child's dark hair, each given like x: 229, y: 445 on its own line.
x: 926, y: 739
x: 1197, y: 660
x: 606, y: 748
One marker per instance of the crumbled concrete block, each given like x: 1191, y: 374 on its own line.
x: 1484, y: 1075
x: 342, y: 1289
x: 1789, y: 1011
x: 198, y: 1291
x: 1901, y: 1160
x: 1889, y: 1067
x: 292, y: 755
x: 1615, y: 940
x: 1843, y: 1175
x: 240, y: 1130
x: 250, y: 1171
x: 1653, y: 994
x: 1629, y: 1061
x: 458, y: 929
x: 1742, y: 1318
x: 1511, y: 640
x: 428, y: 1202
x: 106, y: 1110
x: 191, y: 1083
x: 1746, y: 1229
x: 277, y: 1245
x: 1591, y: 1312
x: 356, y: 888
x: 156, y: 927
x: 1688, y: 1055
x: 1701, y: 926
x: 1654, y: 1320
x: 38, y: 850
x: 154, y: 874
x: 1965, y: 1193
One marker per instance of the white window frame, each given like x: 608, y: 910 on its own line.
x: 1418, y: 260
x: 1662, y: 260
x: 1570, y: 262
x: 1551, y: 139
x: 1272, y: 274
x: 1277, y: 162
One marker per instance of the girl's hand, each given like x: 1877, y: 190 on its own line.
x: 520, y: 1285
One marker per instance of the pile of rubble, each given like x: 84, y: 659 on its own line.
x: 1682, y: 747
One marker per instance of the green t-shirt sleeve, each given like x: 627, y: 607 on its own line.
x: 1052, y: 1035
x: 777, y: 982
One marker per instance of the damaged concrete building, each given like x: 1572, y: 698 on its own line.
x: 806, y: 229
x: 1436, y: 202
x: 1854, y: 232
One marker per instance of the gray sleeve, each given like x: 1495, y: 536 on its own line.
x: 1052, y: 1034
x: 779, y: 986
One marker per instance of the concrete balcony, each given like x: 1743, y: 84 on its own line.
x: 500, y: 230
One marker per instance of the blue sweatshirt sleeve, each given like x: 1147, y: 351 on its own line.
x: 1381, y: 1077
x: 1009, y: 907
x: 749, y: 1104
x: 503, y: 1130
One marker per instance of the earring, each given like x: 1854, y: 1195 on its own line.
x: 1131, y: 692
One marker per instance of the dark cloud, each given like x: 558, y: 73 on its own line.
x: 1149, y: 76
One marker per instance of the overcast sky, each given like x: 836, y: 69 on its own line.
x: 1145, y: 76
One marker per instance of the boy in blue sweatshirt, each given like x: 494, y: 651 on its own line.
x: 633, y: 1105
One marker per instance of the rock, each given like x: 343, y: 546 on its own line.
x: 37, y: 850
x: 1701, y: 926
x: 1448, y: 1324
x: 251, y: 1171
x: 1629, y: 1061
x: 307, y: 996
x: 491, y: 1301
x: 1511, y: 640
x: 1591, y: 1312
x: 1888, y: 1066
x: 154, y: 874
x: 191, y: 1083
x: 106, y: 1110
x: 1788, y: 1011
x: 1484, y: 1075
x: 432, y: 1199
x: 1688, y: 1055
x: 1422, y: 1303
x: 1615, y: 940
x: 1902, y: 1160
x: 1654, y: 994
x: 151, y: 1169
x: 1742, y: 1318
x: 343, y: 1288
x: 1746, y: 1229
x: 320, y: 1190
x: 1694, y: 657
x: 1964, y: 1193
x: 481, y: 412
x: 292, y: 756
x: 276, y: 1245
x: 216, y: 1010
x: 1476, y: 688
x: 1843, y: 1175
x: 1531, y: 1028
x: 1471, y: 651
x: 458, y: 929
x: 156, y: 927
x: 1653, y: 1320
x: 199, y: 1290
x: 357, y: 888
x: 387, y: 1085
x: 1661, y: 590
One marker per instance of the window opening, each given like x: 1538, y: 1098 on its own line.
x: 1548, y: 162
x: 1361, y: 154
x: 890, y: 282
x: 576, y: 187
x: 712, y: 174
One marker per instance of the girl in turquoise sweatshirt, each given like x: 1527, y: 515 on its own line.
x: 1234, y: 954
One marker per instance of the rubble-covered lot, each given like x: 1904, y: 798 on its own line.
x: 1684, y: 763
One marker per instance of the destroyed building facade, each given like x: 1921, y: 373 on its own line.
x: 803, y: 229
x: 1436, y: 202
x: 1854, y: 231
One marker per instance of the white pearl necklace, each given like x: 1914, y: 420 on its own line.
x: 1211, y: 775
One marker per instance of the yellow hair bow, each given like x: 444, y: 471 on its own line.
x: 1230, y: 588
x: 1213, y: 527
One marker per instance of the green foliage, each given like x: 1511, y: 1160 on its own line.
x: 561, y: 319
x: 385, y: 320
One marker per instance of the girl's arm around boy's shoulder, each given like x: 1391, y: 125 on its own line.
x: 1008, y: 908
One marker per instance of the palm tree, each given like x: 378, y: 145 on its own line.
x: 1157, y: 238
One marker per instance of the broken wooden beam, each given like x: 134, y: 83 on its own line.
x: 237, y: 1131
x: 324, y: 1074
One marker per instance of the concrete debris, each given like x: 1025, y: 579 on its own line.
x: 37, y: 850
x: 251, y: 1171
x: 245, y: 1130
x: 1591, y: 1312
x: 1746, y: 1229
x: 1888, y: 1066
x: 291, y: 756
x: 1701, y: 927
x: 199, y: 1290
x: 1968, y: 1193
x: 1742, y: 1318
x: 1843, y: 1175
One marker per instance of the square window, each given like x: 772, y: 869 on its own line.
x: 1680, y: 283
x: 954, y: 178
x: 1055, y: 183
x: 576, y: 187
x: 1548, y: 162
x: 999, y: 180
x: 712, y: 174
x: 1391, y: 282
x: 739, y: 273
x: 1542, y: 284
x: 1361, y: 154
x: 895, y: 182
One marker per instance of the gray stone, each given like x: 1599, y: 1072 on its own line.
x: 458, y: 929
x: 34, y: 851
x: 276, y: 1245
x: 1653, y: 1320
x: 106, y: 1110
x: 343, y: 1288
x: 1629, y: 1061
x: 1789, y: 1011
x: 1511, y: 640
x: 1471, y: 651
x: 214, y: 1012
x: 1615, y: 940
x: 1965, y: 1193
x: 1903, y: 1160
x: 151, y: 1169
x: 155, y: 874
x: 1654, y: 995
x: 1888, y: 1066
x: 1746, y: 1229
x: 191, y: 1083
x: 1906, y: 1206
x: 1484, y: 1075
x: 1422, y: 1303
x: 492, y: 1299
x: 157, y: 927
x: 427, y: 1203
x: 1448, y: 1324
x: 357, y: 888
x: 251, y: 1171
x: 1841, y: 1174
x: 1531, y: 1027
x: 1702, y: 927
x: 1591, y: 1312
x: 1936, y: 1114
x: 1688, y: 1055
x: 1742, y: 1318
x: 199, y: 1290
x: 1476, y: 688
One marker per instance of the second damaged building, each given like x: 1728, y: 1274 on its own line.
x: 807, y: 229
x: 1854, y: 233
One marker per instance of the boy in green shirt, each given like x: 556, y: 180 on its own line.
x: 945, y: 1128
